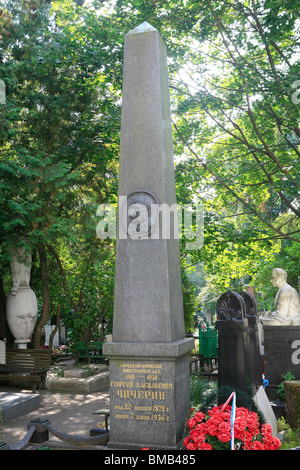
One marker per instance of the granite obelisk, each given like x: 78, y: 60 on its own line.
x: 149, y: 354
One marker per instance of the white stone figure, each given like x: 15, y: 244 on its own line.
x: 21, y: 306
x: 287, y: 304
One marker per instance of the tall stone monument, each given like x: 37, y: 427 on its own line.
x: 149, y: 354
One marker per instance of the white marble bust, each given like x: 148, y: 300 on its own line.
x: 286, y: 303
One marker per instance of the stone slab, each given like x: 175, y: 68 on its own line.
x: 75, y: 373
x: 265, y: 408
x: 83, y: 385
x: 154, y: 350
x: 14, y: 405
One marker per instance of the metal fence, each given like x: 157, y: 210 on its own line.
x: 208, y: 342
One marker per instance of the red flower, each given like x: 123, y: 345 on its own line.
x: 256, y: 445
x: 191, y: 423
x: 191, y: 446
x: 239, y: 428
x: 224, y: 434
x: 197, y: 436
x: 198, y: 416
x: 200, y: 427
x: 205, y: 446
x: 214, y: 429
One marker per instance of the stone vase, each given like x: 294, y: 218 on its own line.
x: 21, y: 305
x: 21, y: 313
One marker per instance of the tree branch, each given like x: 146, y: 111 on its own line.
x: 230, y: 190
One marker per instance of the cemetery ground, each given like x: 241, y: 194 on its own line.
x: 73, y: 412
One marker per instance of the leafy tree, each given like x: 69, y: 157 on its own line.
x: 233, y: 71
x: 236, y: 114
x: 59, y: 129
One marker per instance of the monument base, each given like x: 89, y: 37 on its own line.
x: 149, y: 394
x: 281, y: 352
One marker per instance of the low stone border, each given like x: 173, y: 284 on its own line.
x: 82, y: 384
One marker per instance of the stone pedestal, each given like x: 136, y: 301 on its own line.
x: 149, y: 393
x: 149, y: 354
x: 281, y: 352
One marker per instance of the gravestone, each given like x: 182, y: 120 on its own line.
x: 208, y: 316
x: 148, y: 354
x: 254, y: 348
x: 234, y: 361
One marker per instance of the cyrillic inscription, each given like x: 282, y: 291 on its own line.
x: 142, y: 391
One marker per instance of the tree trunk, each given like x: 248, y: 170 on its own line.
x: 4, y: 328
x: 2, y: 311
x: 55, y: 329
x: 43, y: 318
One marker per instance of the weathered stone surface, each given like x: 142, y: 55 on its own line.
x: 75, y: 373
x: 235, y: 353
x: 82, y: 385
x: 148, y: 302
x: 14, y: 405
x: 149, y: 402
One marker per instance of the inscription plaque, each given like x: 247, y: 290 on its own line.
x: 143, y: 391
x: 147, y: 395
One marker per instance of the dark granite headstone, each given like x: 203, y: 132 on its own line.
x: 254, y: 349
x: 234, y: 363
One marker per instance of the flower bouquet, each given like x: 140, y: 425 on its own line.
x: 214, y: 431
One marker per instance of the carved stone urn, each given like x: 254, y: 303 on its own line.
x: 21, y: 306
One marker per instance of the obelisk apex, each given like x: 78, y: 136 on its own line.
x: 142, y: 28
